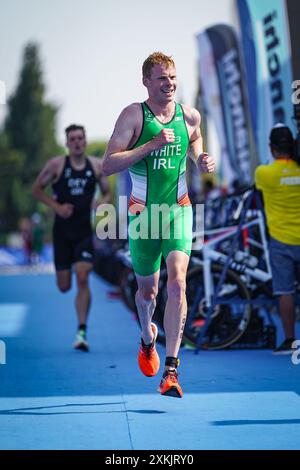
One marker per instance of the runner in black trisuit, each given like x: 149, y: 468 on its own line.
x: 73, y: 180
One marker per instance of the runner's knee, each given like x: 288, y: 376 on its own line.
x: 63, y: 285
x: 82, y: 279
x: 147, y: 295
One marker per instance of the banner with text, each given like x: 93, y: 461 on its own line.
x: 267, y: 55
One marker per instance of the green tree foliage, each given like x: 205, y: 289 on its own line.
x: 12, y: 163
x: 96, y: 148
x: 27, y: 142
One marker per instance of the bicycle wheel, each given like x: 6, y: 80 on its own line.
x: 230, y: 316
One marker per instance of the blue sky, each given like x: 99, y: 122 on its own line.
x: 93, y: 51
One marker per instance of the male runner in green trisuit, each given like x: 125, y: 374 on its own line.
x: 153, y: 139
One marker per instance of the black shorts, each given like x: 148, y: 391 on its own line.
x: 68, y: 250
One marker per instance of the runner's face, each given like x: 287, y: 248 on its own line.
x: 162, y: 84
x: 76, y: 142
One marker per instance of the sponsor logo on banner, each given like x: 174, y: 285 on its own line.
x: 267, y: 54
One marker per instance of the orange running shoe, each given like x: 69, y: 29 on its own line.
x: 169, y: 385
x: 148, y: 358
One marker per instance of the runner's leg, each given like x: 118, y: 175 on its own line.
x: 176, y: 307
x: 146, y: 302
x: 63, y: 280
x: 83, y: 296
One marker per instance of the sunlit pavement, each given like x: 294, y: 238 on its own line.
x: 52, y: 397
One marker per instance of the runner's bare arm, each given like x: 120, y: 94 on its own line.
x: 46, y: 177
x: 205, y: 163
x: 106, y: 194
x: 118, y: 155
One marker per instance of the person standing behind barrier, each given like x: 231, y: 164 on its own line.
x: 73, y: 180
x: 280, y: 186
x: 153, y: 139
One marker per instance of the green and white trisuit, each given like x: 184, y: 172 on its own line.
x: 158, y: 185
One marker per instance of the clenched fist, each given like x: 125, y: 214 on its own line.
x: 65, y: 210
x: 166, y: 136
x: 206, y: 163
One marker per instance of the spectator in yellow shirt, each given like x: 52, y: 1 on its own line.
x: 280, y: 186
